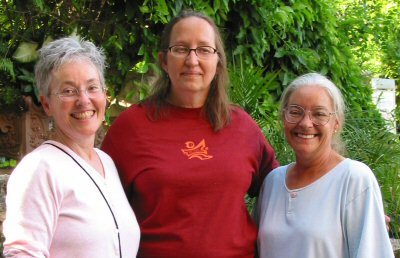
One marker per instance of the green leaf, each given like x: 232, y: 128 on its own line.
x: 144, y: 9
x: 7, y: 66
x: 26, y: 52
x: 141, y: 67
x: 280, y: 52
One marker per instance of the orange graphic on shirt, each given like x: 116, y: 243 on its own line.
x: 199, y: 151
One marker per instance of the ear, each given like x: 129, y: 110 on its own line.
x: 337, y: 125
x: 45, y: 104
x: 162, y: 58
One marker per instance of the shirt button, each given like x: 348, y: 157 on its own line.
x: 293, y: 194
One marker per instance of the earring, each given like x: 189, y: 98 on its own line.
x: 51, y: 125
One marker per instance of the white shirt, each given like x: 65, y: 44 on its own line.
x: 339, y: 215
x: 53, y: 209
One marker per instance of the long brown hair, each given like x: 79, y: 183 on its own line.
x: 217, y: 108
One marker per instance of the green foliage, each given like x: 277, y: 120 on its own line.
x: 372, y: 27
x: 373, y: 30
x: 253, y: 91
x: 286, y: 38
x: 268, y: 44
x: 367, y: 140
x: 7, y: 163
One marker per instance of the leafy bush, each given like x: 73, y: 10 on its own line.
x: 367, y: 140
x: 7, y: 163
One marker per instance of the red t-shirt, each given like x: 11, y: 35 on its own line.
x: 187, y: 183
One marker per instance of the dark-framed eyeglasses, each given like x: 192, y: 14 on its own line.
x: 72, y: 93
x: 202, y: 52
x: 319, y: 116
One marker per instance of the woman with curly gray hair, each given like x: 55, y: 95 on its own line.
x: 65, y: 198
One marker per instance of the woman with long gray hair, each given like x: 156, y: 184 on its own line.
x: 323, y: 204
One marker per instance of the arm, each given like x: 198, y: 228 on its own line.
x: 267, y: 163
x: 31, y: 210
x: 364, y: 223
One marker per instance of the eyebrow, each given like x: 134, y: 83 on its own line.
x: 201, y: 43
x: 316, y: 107
x: 71, y: 83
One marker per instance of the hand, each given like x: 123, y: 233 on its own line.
x: 387, y: 220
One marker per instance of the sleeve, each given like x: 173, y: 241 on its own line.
x: 256, y: 212
x: 267, y: 163
x: 113, y: 146
x: 364, y: 223
x: 32, y: 207
x: 119, y: 141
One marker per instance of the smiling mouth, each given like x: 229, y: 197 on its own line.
x: 306, y: 136
x: 83, y: 115
x: 191, y: 74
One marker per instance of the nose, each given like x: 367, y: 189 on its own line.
x: 306, y: 120
x: 191, y: 58
x: 83, y: 96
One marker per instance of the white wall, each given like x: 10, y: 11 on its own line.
x: 384, y: 97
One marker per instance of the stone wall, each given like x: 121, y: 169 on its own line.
x: 3, y: 186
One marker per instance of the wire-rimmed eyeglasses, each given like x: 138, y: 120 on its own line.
x: 72, y: 93
x: 202, y: 52
x: 319, y: 116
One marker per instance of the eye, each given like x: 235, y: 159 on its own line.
x: 320, y: 113
x: 94, y: 88
x: 180, y: 49
x: 205, y: 50
x: 68, y: 92
x: 295, y: 112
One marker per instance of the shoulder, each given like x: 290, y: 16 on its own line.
x: 126, y: 121
x: 105, y: 158
x: 42, y: 164
x: 278, y: 173
x: 239, y: 113
x: 358, y: 171
x: 242, y: 119
x: 358, y: 178
x: 132, y: 112
x: 274, y: 182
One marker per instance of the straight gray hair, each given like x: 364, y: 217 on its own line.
x: 58, y: 52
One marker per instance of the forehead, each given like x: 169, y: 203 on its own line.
x: 79, y: 67
x: 75, y: 72
x: 311, y: 96
x: 193, y: 30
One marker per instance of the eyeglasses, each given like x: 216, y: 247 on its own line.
x: 72, y: 94
x: 318, y: 116
x: 202, y: 52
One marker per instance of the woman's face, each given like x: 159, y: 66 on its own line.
x: 79, y: 118
x: 307, y: 139
x: 190, y: 75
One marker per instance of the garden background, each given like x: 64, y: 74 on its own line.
x: 268, y: 44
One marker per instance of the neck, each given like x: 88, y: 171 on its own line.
x: 316, y: 162
x: 306, y: 171
x: 84, y: 148
x: 194, y: 100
